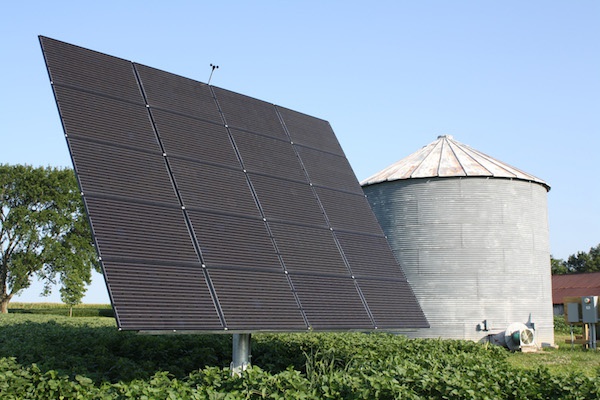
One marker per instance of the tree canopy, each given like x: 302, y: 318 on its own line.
x: 44, y: 233
x: 577, y: 263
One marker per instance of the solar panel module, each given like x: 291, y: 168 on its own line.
x: 213, y: 211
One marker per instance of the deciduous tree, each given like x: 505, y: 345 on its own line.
x: 559, y: 267
x: 577, y: 263
x: 44, y: 233
x: 585, y: 262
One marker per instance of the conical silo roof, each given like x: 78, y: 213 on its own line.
x: 445, y: 158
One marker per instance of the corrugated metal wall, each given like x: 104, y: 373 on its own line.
x: 473, y: 249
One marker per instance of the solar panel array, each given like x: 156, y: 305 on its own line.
x: 215, y: 211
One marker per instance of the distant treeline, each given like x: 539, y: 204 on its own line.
x: 577, y: 263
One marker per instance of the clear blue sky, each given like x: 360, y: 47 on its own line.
x: 518, y: 80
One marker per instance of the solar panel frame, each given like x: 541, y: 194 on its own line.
x: 200, y: 188
x: 91, y: 71
x: 123, y: 172
x: 255, y: 203
x: 93, y: 116
x: 271, y: 306
x: 178, y: 293
x: 300, y: 245
x: 246, y: 113
x: 348, y: 211
x: 244, y: 236
x: 287, y: 200
x: 269, y: 156
x: 357, y: 250
x: 338, y: 296
x: 309, y: 131
x: 127, y: 230
x: 328, y: 170
x: 392, y: 300
x: 177, y: 94
x: 179, y: 138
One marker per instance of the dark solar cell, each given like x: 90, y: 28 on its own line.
x: 94, y: 117
x: 227, y: 240
x: 328, y: 170
x: 300, y: 246
x: 178, y: 94
x: 268, y: 156
x: 348, y: 211
x: 285, y: 200
x: 392, y: 304
x: 122, y: 172
x: 211, y: 187
x: 177, y: 192
x: 254, y: 300
x: 310, y: 131
x: 247, y: 113
x: 331, y: 303
x: 86, y: 69
x: 195, y: 139
x: 178, y: 293
x: 139, y: 231
x: 358, y: 249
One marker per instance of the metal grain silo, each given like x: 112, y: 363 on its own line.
x: 472, y: 236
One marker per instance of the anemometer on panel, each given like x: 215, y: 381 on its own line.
x: 213, y: 67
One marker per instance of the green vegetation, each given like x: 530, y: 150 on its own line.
x: 44, y: 233
x: 49, y: 356
x: 80, y: 310
x: 577, y: 263
x: 563, y: 361
x: 562, y: 328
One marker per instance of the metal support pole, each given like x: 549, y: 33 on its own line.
x: 572, y: 337
x: 241, y: 353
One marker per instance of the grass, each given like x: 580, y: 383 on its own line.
x: 565, y: 358
x: 79, y: 310
x: 562, y: 360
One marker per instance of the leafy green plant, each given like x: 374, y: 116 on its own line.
x: 44, y: 232
x: 561, y: 326
x: 44, y: 357
x: 95, y: 348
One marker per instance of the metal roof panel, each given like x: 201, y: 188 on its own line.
x: 575, y: 285
x: 446, y: 157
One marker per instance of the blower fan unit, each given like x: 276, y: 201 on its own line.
x: 518, y: 336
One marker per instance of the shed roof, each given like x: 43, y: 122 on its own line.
x: 575, y: 285
x: 445, y: 157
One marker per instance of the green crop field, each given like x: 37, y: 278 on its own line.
x: 81, y: 310
x: 46, y: 356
